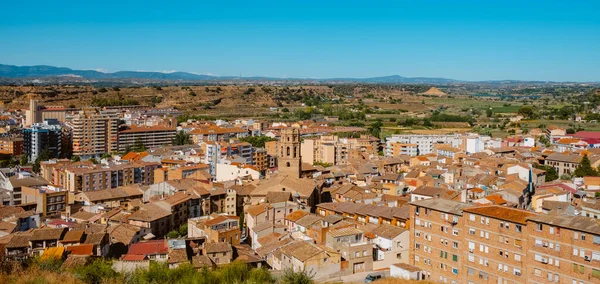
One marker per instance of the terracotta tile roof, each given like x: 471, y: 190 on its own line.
x: 133, y: 257
x: 212, y: 247
x: 388, y: 231
x: 95, y: 238
x: 442, y: 205
x: 496, y: 199
x: 43, y: 234
x: 149, y: 212
x: 258, y: 209
x: 178, y: 256
x: 501, y: 213
x: 577, y: 223
x: 219, y: 219
x: 123, y: 192
x: 345, y: 232
x: 296, y: 215
x: 73, y: 236
x: 149, y: 247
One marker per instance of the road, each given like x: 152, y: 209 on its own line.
x: 358, y: 277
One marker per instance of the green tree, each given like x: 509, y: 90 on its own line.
x: 98, y: 271
x: 94, y: 161
x: 24, y: 160
x: 75, y: 159
x: 138, y: 146
x: 585, y: 168
x: 43, y: 156
x: 181, y: 138
x: 300, y: 277
x: 375, y: 128
x: 551, y: 173
x: 106, y: 156
x: 526, y: 111
x: 489, y: 112
x: 257, y: 141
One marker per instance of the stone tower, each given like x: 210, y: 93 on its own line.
x: 289, y: 160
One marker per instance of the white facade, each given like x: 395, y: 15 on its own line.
x: 229, y: 172
x: 424, y: 143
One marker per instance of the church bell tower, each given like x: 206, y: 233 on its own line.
x: 289, y: 161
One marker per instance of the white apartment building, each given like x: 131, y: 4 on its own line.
x: 424, y: 143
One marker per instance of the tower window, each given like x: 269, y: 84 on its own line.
x: 288, y: 164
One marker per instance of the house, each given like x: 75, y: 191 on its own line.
x: 320, y: 262
x: 390, y: 246
x: 219, y: 228
x: 406, y: 271
x: 219, y: 253
x: 43, y: 238
x: 151, y: 250
x: 356, y: 250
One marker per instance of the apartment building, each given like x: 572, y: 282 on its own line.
x: 335, y: 150
x: 424, y: 142
x: 260, y: 160
x: 50, y: 200
x: 86, y: 176
x: 37, y: 114
x: 497, y: 244
x: 404, y: 149
x: 242, y: 149
x: 438, y: 239
x: 11, y: 146
x: 152, y: 137
x: 216, y: 133
x: 40, y: 137
x: 567, y: 163
x: 563, y: 249
x: 94, y: 132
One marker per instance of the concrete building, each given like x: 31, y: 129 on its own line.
x: 37, y: 114
x: 438, y: 241
x: 94, y: 132
x: 40, y: 137
x: 50, y: 200
x: 152, y: 137
x: 11, y: 146
x: 424, y: 142
x: 563, y: 249
x: 335, y: 150
x: 497, y: 244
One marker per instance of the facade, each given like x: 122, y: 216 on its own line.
x: 563, y: 249
x: 94, y: 132
x: 336, y: 151
x: 11, y: 146
x: 260, y: 160
x: 424, y: 143
x: 404, y: 149
x: 152, y: 137
x: 40, y: 137
x: 50, y: 200
x: 82, y: 177
x: 289, y: 158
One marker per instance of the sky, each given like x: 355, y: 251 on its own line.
x: 466, y: 40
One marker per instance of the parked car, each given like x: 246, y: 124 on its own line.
x: 372, y: 277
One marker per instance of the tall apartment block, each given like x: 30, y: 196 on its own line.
x: 94, y: 132
x: 151, y: 136
x: 455, y: 242
x: 42, y: 136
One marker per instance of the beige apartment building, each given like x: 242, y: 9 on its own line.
x: 438, y: 241
x: 497, y: 244
x: 94, y: 132
x: 78, y: 177
x: 457, y: 242
x: 335, y: 150
x: 563, y: 249
x: 152, y: 137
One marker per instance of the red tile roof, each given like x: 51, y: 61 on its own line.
x: 81, y: 249
x: 150, y: 247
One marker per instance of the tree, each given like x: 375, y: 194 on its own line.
x: 300, y: 277
x: 181, y: 138
x: 106, y: 156
x: 138, y: 145
x: 94, y: 161
x: 43, y: 156
x: 489, y: 112
x: 75, y: 159
x: 526, y: 111
x: 585, y: 169
x: 551, y: 173
x: 375, y: 128
x: 257, y: 141
x: 24, y: 160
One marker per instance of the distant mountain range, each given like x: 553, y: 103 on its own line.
x: 67, y: 74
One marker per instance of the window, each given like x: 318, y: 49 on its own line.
x: 539, y: 227
x: 517, y: 243
x: 537, y: 272
x: 582, y: 236
x: 518, y: 257
x: 471, y: 217
x: 455, y: 271
x: 471, y: 231
x: 455, y: 245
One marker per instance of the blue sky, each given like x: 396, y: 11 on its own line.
x: 469, y: 40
